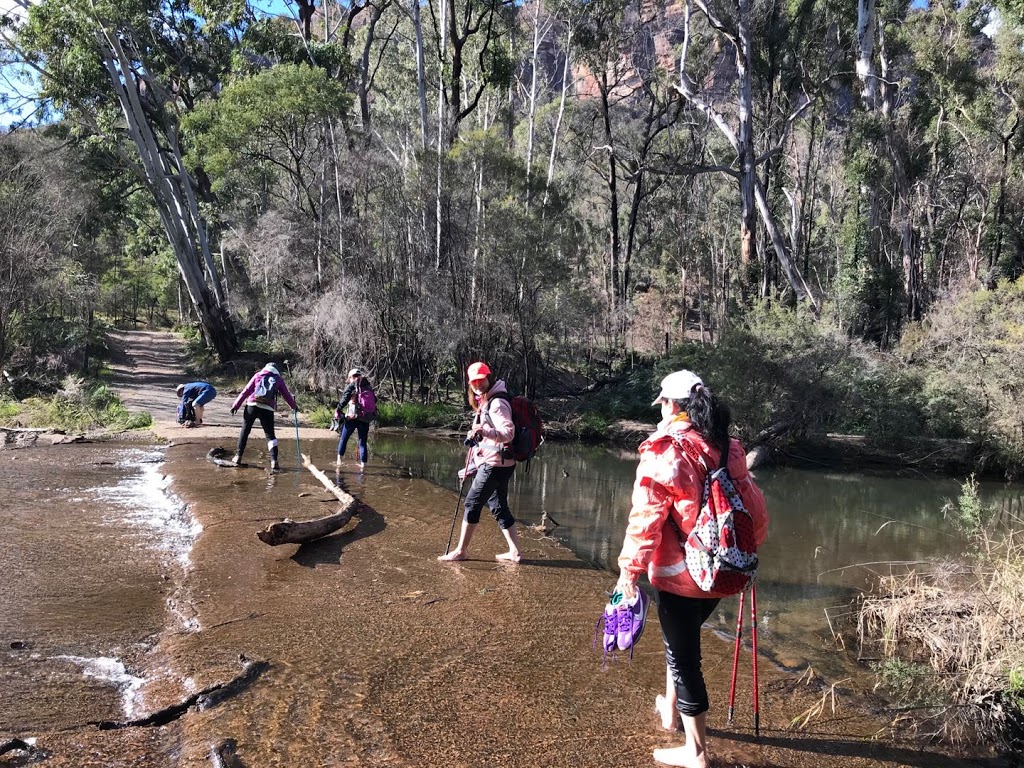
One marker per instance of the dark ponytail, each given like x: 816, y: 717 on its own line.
x: 709, y: 416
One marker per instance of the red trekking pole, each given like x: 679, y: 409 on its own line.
x: 736, y: 656
x: 753, y: 634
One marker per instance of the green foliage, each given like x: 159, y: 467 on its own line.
x: 321, y: 415
x: 78, y: 407
x: 259, y: 126
x: 908, y: 683
x: 411, y: 414
x: 971, y: 352
x: 971, y: 513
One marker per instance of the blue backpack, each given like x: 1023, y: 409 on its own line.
x: 265, y: 392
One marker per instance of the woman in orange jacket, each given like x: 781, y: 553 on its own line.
x: 667, y: 497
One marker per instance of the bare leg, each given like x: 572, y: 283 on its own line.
x: 513, y: 555
x: 694, y: 753
x: 666, y: 705
x: 459, y: 553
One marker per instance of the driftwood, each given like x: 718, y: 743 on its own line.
x: 20, y: 744
x: 297, y: 532
x: 225, y: 755
x: 221, y: 458
x: 206, y: 698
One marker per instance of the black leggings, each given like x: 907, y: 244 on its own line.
x: 249, y: 416
x: 490, y: 486
x: 681, y: 619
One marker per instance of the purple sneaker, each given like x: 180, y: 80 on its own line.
x: 631, y: 621
x: 608, y: 627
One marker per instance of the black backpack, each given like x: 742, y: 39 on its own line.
x: 186, y: 412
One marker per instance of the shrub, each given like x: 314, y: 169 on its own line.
x: 963, y: 621
x: 971, y: 349
x: 410, y: 414
x: 77, y: 407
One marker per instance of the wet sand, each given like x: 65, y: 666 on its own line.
x: 379, y: 655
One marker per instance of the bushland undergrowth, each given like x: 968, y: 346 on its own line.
x: 952, y: 637
x: 78, y: 406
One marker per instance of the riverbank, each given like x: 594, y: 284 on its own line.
x: 381, y: 656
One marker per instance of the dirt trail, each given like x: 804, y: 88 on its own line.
x: 148, y: 365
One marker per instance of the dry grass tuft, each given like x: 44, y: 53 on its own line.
x: 953, y: 640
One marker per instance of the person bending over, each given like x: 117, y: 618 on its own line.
x: 200, y: 393
x: 356, y: 409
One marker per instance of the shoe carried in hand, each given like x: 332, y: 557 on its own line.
x: 632, y: 617
x: 608, y: 625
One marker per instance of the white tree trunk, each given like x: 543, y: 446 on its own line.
x: 865, y: 52
x: 421, y: 78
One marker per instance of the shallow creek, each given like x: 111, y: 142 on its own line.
x: 132, y: 579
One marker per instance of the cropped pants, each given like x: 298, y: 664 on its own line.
x: 681, y: 619
x: 490, y: 486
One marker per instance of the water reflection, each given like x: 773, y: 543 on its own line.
x: 830, y: 536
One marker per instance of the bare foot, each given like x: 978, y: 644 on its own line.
x: 452, y: 556
x: 512, y: 556
x: 669, y: 718
x: 682, y: 756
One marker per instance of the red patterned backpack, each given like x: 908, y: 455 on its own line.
x: 721, y: 552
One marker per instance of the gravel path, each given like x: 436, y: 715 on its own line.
x: 148, y: 365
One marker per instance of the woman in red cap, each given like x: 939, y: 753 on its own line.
x: 491, y: 460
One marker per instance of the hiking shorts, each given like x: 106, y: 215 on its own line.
x: 490, y: 486
x: 681, y: 619
x: 205, y: 396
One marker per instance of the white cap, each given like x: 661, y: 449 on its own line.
x: 355, y: 372
x: 272, y: 368
x: 678, y: 386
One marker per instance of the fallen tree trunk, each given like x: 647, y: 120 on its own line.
x: 297, y: 532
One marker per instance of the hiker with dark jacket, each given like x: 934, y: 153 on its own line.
x: 667, y: 497
x: 352, y: 414
x: 260, y: 399
x: 199, y: 393
x: 490, y: 462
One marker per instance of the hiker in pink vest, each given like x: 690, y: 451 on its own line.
x: 667, y: 498
x: 356, y: 409
x: 491, y: 461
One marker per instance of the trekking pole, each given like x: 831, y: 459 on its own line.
x: 736, y: 656
x: 753, y: 634
x: 298, y: 449
x: 462, y: 485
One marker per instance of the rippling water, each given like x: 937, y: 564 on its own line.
x: 831, y: 534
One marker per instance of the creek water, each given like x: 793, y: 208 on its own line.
x: 132, y: 579
x: 831, y: 534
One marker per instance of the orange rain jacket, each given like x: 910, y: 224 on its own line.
x: 670, y: 482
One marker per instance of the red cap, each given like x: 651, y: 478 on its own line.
x: 478, y: 371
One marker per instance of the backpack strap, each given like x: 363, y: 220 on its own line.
x: 695, y: 455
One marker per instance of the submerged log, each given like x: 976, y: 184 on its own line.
x: 299, y: 531
x: 206, y: 698
x: 19, y: 744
